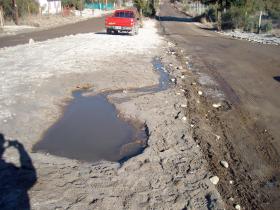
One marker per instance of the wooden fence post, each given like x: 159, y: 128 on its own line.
x: 1, y: 17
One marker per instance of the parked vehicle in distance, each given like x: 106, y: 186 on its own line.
x: 126, y: 20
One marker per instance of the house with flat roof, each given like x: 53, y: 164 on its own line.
x: 50, y: 6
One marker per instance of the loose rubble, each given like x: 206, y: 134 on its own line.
x: 252, y: 37
x: 224, y: 163
x: 214, y: 179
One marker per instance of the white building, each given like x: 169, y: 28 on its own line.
x: 50, y: 6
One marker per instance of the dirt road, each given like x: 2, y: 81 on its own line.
x: 246, y: 128
x: 37, y: 81
x: 87, y: 26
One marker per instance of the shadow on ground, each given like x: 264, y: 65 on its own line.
x: 277, y: 78
x: 174, y: 19
x: 115, y: 34
x: 15, y: 181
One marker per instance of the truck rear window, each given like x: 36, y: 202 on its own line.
x: 124, y: 14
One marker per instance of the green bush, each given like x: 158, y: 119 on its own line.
x: 24, y: 7
x: 77, y: 4
x: 251, y: 24
x: 211, y: 14
x: 266, y: 27
x: 147, y: 7
x: 233, y: 18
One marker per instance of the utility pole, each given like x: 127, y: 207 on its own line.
x: 15, y: 11
x: 260, y: 22
x: 81, y: 7
x: 1, y: 17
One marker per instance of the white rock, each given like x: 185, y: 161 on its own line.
x: 214, y: 179
x: 200, y: 92
x: 183, y: 76
x: 31, y: 41
x: 217, y: 105
x: 173, y: 80
x: 224, y: 163
x: 183, y: 105
x: 237, y: 207
x: 184, y: 118
x: 124, y: 91
x: 231, y: 182
x: 192, y: 125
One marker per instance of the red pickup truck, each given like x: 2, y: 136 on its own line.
x: 127, y: 20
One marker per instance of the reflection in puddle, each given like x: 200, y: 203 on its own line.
x: 90, y: 129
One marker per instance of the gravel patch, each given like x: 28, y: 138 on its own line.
x: 252, y: 37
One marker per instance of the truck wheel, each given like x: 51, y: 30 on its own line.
x: 133, y: 32
x: 109, y: 31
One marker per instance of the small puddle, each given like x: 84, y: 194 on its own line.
x: 91, y: 129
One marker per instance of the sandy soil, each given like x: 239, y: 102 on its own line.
x: 36, y: 83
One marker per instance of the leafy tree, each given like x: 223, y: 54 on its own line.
x: 24, y: 7
x: 238, y: 13
x: 145, y: 7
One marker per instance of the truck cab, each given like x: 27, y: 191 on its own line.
x: 127, y: 21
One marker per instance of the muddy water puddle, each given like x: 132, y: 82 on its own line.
x: 91, y: 129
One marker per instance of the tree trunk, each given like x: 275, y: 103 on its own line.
x: 1, y: 17
x: 219, y: 14
x: 15, y: 7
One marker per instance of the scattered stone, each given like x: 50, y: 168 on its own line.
x: 231, y: 182
x: 183, y: 105
x: 192, y: 125
x: 178, y: 94
x: 31, y: 41
x: 237, y: 207
x: 183, y: 76
x: 217, y: 105
x: 224, y: 163
x: 184, y: 118
x: 252, y: 37
x: 173, y: 80
x: 214, y: 179
x: 231, y: 199
x: 124, y: 91
x: 193, y: 83
x: 200, y: 92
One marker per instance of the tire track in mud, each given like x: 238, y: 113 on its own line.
x: 216, y: 131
